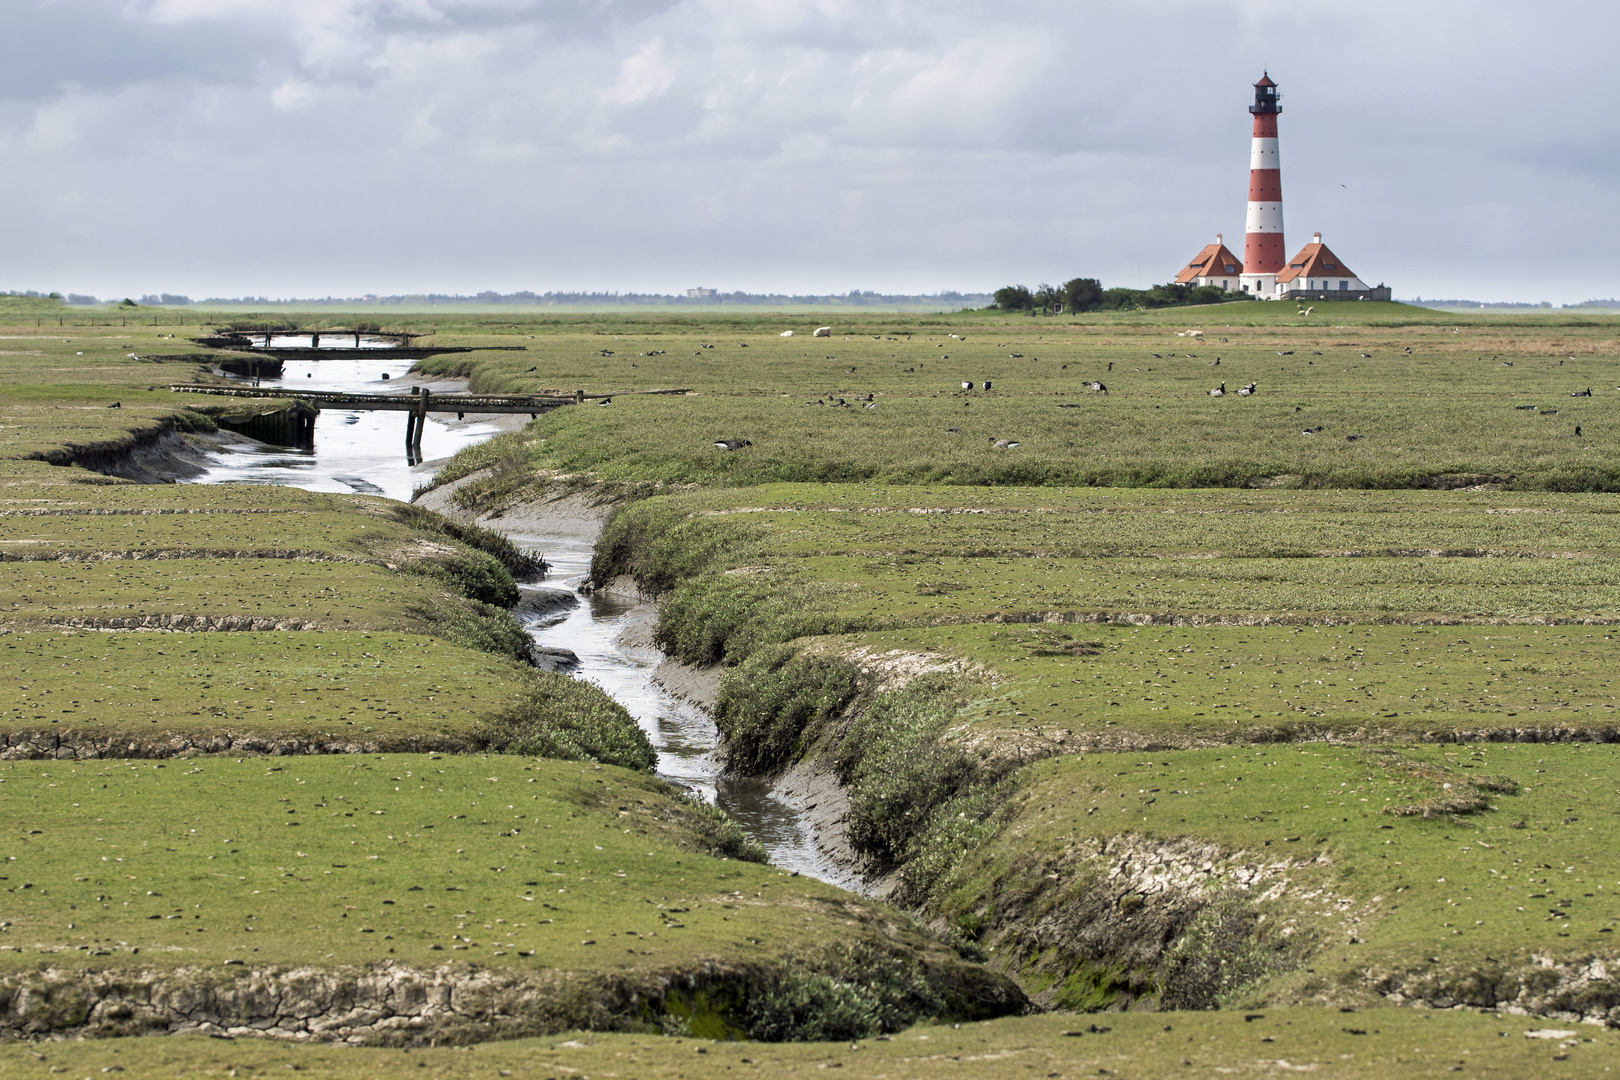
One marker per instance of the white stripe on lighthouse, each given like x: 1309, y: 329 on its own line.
x: 1264, y: 217
x: 1263, y: 154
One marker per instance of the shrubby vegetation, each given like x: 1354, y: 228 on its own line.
x: 519, y: 564
x: 1087, y: 295
x: 561, y: 717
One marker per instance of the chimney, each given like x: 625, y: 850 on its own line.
x: 1316, y: 238
x: 1218, y: 239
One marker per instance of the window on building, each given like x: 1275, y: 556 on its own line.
x: 1231, y: 269
x: 1343, y: 284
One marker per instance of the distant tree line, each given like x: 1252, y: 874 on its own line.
x: 854, y: 298
x: 1088, y: 294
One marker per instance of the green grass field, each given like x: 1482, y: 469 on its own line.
x: 1182, y: 702
x: 1366, y: 1045
x: 512, y: 861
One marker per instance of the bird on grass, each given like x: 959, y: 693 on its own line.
x: 1219, y: 391
x: 1245, y: 391
x: 1005, y: 444
x: 1577, y: 431
x: 1582, y: 393
x: 1366, y: 356
x: 605, y: 401
x: 1097, y: 387
x: 731, y: 444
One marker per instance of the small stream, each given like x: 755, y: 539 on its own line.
x: 365, y: 452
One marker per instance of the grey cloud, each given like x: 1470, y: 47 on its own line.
x: 828, y: 144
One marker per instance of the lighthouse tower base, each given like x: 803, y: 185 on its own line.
x: 1260, y: 286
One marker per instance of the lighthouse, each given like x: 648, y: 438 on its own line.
x: 1263, y: 253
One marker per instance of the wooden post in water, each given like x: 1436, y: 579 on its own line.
x: 421, y: 421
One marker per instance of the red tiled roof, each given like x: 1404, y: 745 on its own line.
x: 1211, y: 262
x: 1265, y: 80
x: 1315, y: 260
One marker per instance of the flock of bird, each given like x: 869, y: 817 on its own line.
x: 1098, y: 387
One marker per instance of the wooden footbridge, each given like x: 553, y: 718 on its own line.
x: 418, y: 402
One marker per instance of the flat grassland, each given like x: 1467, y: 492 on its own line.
x: 1148, y: 698
x: 497, y: 860
x: 1372, y: 1045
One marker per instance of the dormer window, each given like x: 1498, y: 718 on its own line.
x: 1230, y: 268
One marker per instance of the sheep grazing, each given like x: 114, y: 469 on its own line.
x: 823, y: 331
x: 731, y: 444
x: 1219, y: 391
x: 1195, y: 333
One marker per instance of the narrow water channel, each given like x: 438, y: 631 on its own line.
x: 365, y: 452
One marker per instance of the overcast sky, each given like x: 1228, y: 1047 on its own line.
x: 1451, y: 148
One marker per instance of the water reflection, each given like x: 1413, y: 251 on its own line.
x: 354, y: 451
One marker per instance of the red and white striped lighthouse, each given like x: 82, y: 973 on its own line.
x: 1263, y: 252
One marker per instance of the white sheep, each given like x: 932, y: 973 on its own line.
x: 823, y: 331
x: 785, y: 333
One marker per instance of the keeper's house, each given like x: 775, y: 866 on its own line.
x: 1318, y: 274
x: 1215, y: 265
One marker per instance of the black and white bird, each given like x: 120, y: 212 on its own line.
x: 1097, y: 387
x: 1582, y: 393
x: 1219, y: 391
x: 731, y: 444
x: 605, y: 401
x: 1005, y: 444
x: 1245, y: 391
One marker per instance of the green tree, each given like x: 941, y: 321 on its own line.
x: 1082, y: 293
x: 1014, y: 298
